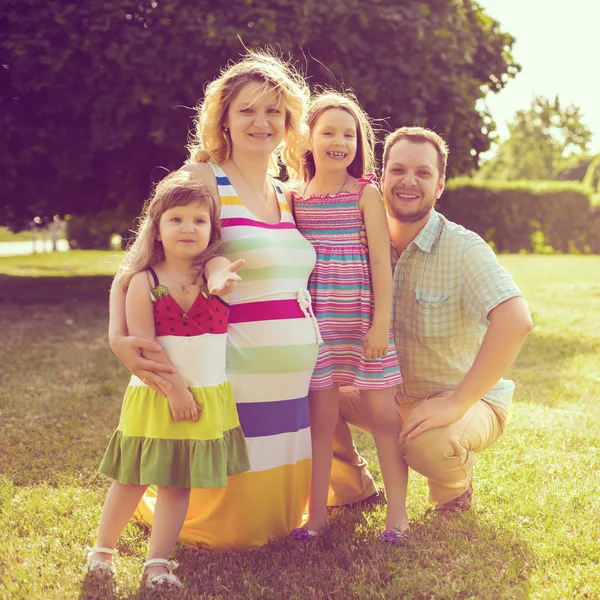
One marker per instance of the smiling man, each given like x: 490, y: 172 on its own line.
x: 459, y: 322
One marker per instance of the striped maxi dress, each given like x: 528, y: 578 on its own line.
x: 272, y: 349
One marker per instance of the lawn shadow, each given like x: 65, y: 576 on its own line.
x: 544, y: 368
x: 53, y: 290
x: 476, y: 558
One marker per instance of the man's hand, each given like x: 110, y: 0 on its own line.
x: 223, y: 281
x: 129, y: 351
x: 437, y: 411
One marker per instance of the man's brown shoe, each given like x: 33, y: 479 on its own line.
x: 376, y: 499
x: 460, y: 504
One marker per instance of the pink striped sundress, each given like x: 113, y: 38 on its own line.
x: 341, y: 291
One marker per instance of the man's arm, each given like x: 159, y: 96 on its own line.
x: 510, y: 323
x: 489, y: 295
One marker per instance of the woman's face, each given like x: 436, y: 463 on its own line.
x: 255, y: 126
x: 333, y: 140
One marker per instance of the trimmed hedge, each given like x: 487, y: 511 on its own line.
x: 592, y: 175
x: 530, y: 216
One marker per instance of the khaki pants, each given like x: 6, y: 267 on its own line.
x: 445, y: 455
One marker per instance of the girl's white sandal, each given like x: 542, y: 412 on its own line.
x: 100, y: 568
x: 165, y: 581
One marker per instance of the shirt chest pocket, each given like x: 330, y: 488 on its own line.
x: 433, y: 315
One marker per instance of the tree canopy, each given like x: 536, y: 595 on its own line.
x: 544, y: 141
x: 96, y: 95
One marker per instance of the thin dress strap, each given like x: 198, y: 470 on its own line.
x: 154, y: 276
x: 366, y: 179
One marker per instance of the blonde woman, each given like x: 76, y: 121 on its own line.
x: 251, y: 116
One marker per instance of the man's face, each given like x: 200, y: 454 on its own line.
x: 411, y: 181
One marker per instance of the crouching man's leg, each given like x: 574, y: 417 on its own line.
x: 446, y: 455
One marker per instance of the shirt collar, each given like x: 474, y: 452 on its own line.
x: 428, y: 236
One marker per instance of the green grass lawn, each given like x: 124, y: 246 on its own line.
x: 534, y: 530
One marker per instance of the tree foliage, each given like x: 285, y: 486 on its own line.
x: 97, y: 94
x: 542, y: 138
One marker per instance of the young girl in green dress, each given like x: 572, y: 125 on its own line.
x: 192, y: 438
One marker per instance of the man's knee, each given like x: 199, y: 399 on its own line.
x: 431, y: 451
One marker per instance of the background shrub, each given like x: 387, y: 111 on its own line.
x: 94, y: 232
x: 524, y: 215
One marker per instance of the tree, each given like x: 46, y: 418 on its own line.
x: 542, y: 138
x: 96, y: 95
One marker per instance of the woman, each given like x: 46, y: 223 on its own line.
x: 252, y: 114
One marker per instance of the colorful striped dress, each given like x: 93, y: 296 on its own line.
x: 271, y: 353
x: 149, y: 447
x: 341, y: 291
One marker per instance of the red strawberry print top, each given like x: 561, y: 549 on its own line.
x: 208, y: 313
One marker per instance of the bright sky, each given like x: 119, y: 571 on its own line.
x: 557, y: 45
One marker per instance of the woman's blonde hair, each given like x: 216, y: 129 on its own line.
x: 364, y: 161
x: 176, y: 189
x: 211, y: 142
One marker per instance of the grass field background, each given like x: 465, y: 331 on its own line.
x: 534, y: 530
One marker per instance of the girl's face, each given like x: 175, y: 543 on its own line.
x: 255, y: 126
x: 185, y: 230
x: 333, y: 140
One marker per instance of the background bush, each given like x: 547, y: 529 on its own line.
x: 533, y: 216
x: 94, y: 232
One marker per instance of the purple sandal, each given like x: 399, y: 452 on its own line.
x: 303, y: 534
x: 394, y: 536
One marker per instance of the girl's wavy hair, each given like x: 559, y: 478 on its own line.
x: 364, y: 161
x: 210, y: 141
x: 176, y: 189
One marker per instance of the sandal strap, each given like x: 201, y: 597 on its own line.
x: 162, y: 562
x: 100, y: 550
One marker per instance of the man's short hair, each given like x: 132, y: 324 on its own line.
x: 419, y: 135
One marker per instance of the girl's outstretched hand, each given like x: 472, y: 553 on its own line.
x: 184, y: 407
x: 377, y: 341
x: 128, y: 350
x: 224, y: 280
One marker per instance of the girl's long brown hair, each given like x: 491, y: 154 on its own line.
x: 176, y: 189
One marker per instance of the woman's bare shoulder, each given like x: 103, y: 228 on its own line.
x: 203, y: 171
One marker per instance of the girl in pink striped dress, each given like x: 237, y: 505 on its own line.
x: 351, y: 292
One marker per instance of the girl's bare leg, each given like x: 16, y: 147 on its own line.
x: 324, y: 410
x: 385, y: 426
x: 171, y: 507
x: 120, y: 504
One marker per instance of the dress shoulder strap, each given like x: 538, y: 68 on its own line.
x: 154, y: 276
x: 365, y: 179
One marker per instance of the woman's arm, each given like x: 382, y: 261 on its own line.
x: 371, y: 204
x: 140, y: 323
x: 145, y: 358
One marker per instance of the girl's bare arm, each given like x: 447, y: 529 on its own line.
x: 143, y: 357
x: 371, y: 204
x: 140, y: 323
